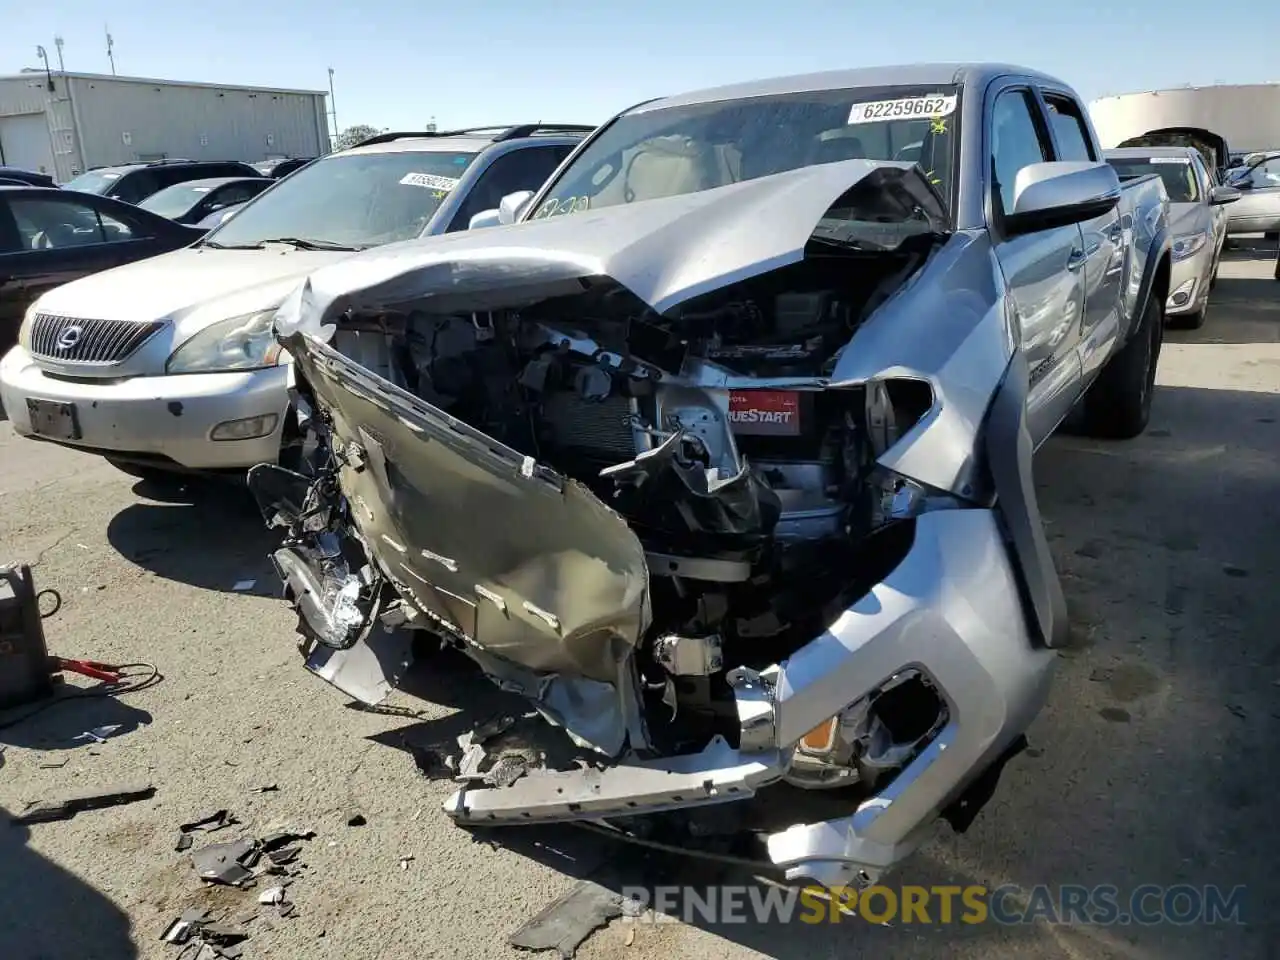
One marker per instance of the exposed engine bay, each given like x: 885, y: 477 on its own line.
x: 675, y: 531
x: 751, y: 504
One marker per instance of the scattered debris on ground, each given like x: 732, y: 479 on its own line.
x: 356, y: 819
x: 98, y: 734
x: 565, y: 923
x: 236, y: 863
x: 66, y: 807
x: 215, y: 821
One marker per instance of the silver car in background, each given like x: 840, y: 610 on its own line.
x: 1259, y: 208
x: 1197, y: 223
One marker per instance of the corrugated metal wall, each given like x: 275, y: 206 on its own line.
x: 30, y: 95
x: 124, y: 120
x: 1247, y: 115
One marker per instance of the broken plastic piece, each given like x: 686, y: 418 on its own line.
x: 215, y: 821
x: 64, y: 808
x: 565, y: 923
x: 242, y: 585
x: 272, y: 895
x: 98, y: 734
x: 227, y: 863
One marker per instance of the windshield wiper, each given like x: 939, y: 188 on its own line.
x: 302, y: 243
x: 215, y: 245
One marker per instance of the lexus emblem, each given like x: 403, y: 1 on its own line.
x: 69, y: 338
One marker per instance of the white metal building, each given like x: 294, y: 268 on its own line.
x: 92, y: 120
x: 1246, y: 115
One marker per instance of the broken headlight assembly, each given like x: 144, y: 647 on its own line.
x: 245, y: 342
x: 871, y: 739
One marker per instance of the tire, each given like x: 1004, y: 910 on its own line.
x: 1118, y: 405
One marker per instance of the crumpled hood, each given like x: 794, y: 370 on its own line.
x: 665, y: 251
x: 186, y: 280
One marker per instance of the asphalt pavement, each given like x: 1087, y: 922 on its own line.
x: 1154, y: 763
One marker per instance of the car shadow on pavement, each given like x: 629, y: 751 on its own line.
x: 206, y: 533
x: 63, y: 725
x: 1241, y: 310
x: 50, y: 914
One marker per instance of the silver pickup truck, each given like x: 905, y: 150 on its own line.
x: 722, y: 456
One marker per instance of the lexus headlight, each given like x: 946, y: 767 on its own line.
x: 1188, y: 246
x: 246, y: 342
x: 24, y: 331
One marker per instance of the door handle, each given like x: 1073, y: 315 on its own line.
x: 1077, y: 259
x: 1115, y: 233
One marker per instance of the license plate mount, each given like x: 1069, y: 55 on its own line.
x: 53, y: 419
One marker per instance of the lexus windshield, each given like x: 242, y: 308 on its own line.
x: 651, y: 153
x: 95, y: 181
x: 351, y: 201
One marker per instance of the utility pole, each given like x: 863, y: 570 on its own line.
x: 57, y: 42
x: 110, y: 46
x: 333, y: 112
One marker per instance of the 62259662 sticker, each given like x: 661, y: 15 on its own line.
x: 905, y: 108
x: 429, y: 180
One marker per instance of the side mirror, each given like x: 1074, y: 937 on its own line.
x: 1220, y: 195
x: 485, y: 218
x: 513, y: 204
x: 1060, y: 193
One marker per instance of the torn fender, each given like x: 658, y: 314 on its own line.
x: 665, y: 251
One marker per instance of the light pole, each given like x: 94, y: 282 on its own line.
x: 333, y: 112
x: 48, y: 74
x: 57, y: 42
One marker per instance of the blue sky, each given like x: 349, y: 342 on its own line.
x: 397, y: 64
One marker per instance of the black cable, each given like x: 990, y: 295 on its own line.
x: 57, y: 602
x: 119, y: 688
x: 744, y: 862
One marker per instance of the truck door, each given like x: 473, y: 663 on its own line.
x: 1044, y: 271
x: 1104, y: 241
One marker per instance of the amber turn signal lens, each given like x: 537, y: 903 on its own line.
x: 821, y: 738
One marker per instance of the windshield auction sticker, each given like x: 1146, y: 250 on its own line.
x: 1181, y: 160
x: 429, y: 180
x: 906, y: 108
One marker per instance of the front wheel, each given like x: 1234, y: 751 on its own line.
x: 1118, y: 405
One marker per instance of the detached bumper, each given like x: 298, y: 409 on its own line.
x: 952, y: 609
x: 166, y: 420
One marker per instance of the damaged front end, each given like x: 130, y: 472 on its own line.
x: 735, y: 488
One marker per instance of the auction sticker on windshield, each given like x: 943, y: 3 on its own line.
x: 1182, y: 160
x: 904, y: 108
x: 429, y: 180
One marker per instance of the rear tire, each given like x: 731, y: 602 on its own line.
x: 1118, y: 405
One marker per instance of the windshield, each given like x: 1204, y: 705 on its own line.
x: 1176, y: 172
x: 95, y: 181
x: 688, y: 149
x: 176, y: 200
x: 353, y: 200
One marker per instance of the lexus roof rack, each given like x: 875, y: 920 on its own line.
x: 500, y: 132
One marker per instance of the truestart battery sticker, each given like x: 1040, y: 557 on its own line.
x: 773, y: 413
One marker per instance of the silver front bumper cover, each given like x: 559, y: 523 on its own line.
x: 952, y: 608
